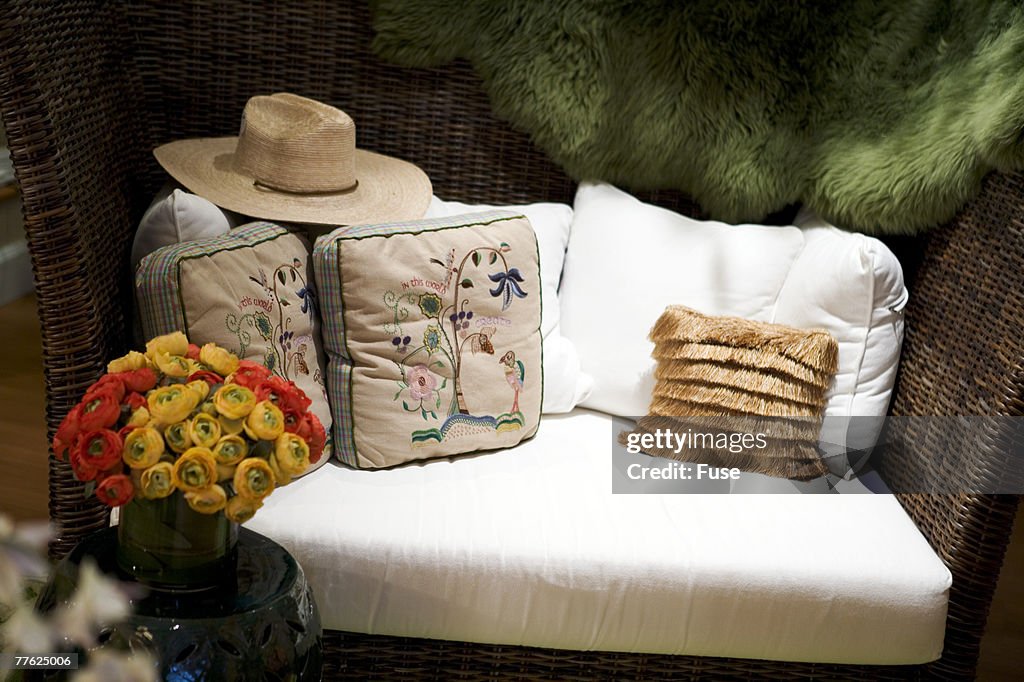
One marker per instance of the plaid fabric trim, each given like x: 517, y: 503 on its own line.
x: 157, y: 287
x: 327, y: 269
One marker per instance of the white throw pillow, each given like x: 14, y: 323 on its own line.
x: 628, y: 260
x: 176, y: 216
x: 565, y: 385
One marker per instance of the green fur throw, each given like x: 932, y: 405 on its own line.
x: 881, y: 115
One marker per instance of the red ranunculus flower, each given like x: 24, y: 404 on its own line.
x: 138, y: 380
x: 311, y: 431
x: 212, y: 378
x: 100, y: 411
x: 193, y: 352
x: 108, y: 384
x: 292, y: 421
x: 82, y: 468
x: 67, y: 432
x: 285, y: 394
x: 115, y: 490
x: 96, y: 451
x: 250, y: 374
x: 135, y: 400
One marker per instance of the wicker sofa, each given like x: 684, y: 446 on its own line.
x: 87, y: 89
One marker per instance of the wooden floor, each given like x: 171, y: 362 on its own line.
x: 23, y: 481
x: 23, y: 452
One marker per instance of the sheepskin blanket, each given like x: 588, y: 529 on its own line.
x: 883, y: 116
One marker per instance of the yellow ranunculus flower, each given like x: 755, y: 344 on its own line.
x: 140, y: 417
x: 174, y: 343
x: 225, y: 472
x: 200, y: 388
x: 292, y: 453
x: 240, y: 509
x: 173, y: 365
x: 142, y: 447
x: 281, y: 477
x: 136, y: 476
x: 171, y: 404
x: 205, y: 430
x: 265, y: 422
x: 194, y: 470
x: 126, y: 363
x: 178, y: 436
x: 234, y: 401
x: 157, y: 481
x: 230, y: 449
x: 209, y: 500
x: 254, y: 478
x: 230, y: 427
x: 220, y: 360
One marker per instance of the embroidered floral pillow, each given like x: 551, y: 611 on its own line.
x: 249, y: 291
x: 432, y: 329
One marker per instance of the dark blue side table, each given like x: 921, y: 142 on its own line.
x: 259, y: 622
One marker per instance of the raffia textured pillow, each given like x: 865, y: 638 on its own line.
x: 726, y: 373
x: 432, y: 331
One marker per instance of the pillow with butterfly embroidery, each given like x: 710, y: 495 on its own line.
x: 432, y: 331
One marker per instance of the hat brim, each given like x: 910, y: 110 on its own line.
x: 388, y: 189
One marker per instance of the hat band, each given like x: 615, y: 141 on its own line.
x: 259, y: 184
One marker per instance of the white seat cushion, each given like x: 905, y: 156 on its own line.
x: 530, y: 547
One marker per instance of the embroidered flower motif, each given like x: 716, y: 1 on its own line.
x: 430, y: 304
x: 263, y: 325
x: 432, y: 338
x: 508, y: 286
x: 421, y: 382
x: 308, y: 298
x: 401, y: 343
x: 285, y: 339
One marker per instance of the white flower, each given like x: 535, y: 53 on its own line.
x: 19, y: 558
x: 11, y: 591
x: 97, y: 601
x: 26, y: 632
x: 34, y: 534
x: 111, y: 666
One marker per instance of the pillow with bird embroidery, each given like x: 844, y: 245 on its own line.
x: 432, y: 332
x: 249, y: 291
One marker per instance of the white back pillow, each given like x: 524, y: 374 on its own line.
x: 628, y: 260
x: 176, y: 216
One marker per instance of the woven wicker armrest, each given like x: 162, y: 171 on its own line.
x: 963, y: 355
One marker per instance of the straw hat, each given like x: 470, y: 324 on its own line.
x: 295, y: 160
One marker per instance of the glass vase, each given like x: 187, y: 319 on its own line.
x: 166, y: 544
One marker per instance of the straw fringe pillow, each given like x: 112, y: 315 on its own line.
x: 726, y: 373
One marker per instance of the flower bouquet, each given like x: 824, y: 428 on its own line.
x: 190, y: 440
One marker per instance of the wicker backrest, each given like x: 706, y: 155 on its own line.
x: 89, y: 88
x: 74, y: 131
